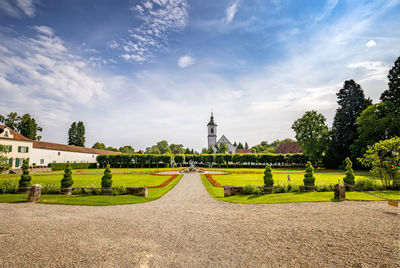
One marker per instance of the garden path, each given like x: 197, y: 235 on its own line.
x: 188, y: 228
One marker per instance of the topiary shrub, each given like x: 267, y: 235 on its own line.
x: 106, y: 180
x: 268, y: 180
x: 25, y: 180
x: 350, y: 178
x: 309, y: 179
x: 251, y: 189
x: 67, y: 181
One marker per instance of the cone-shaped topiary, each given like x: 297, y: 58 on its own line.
x: 309, y: 178
x: 67, y: 181
x: 268, y: 180
x: 25, y: 180
x: 350, y: 178
x: 106, y: 180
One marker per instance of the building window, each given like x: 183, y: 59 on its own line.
x: 59, y: 153
x: 23, y: 149
x: 6, y: 134
x: 41, y: 161
x: 212, y: 130
x: 10, y: 162
x: 92, y: 155
x: 10, y: 148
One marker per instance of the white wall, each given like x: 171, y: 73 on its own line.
x: 56, y: 156
x: 14, y: 153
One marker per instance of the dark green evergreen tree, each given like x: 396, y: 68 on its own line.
x: 67, y: 181
x: 246, y: 146
x: 106, y: 180
x: 268, y: 179
x: 11, y: 120
x: 390, y: 106
x: 309, y: 178
x: 25, y: 180
x: 72, y: 134
x: 350, y: 178
x: 80, y: 134
x: 352, y: 103
x: 240, y: 146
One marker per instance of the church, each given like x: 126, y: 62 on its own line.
x: 212, y: 137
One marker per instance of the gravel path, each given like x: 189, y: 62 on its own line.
x: 188, y: 228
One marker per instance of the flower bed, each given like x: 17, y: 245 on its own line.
x: 165, y: 183
x: 212, y: 181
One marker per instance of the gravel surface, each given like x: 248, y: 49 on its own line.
x: 188, y: 228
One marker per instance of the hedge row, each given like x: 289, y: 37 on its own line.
x: 235, y: 160
x: 135, y: 160
x: 62, y: 166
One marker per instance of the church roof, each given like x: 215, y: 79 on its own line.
x: 211, y: 123
x: 244, y: 151
x: 223, y: 139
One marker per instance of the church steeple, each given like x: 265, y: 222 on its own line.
x: 212, y: 131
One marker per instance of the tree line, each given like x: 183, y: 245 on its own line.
x: 358, y: 124
x: 233, y: 160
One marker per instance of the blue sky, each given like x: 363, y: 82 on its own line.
x: 137, y: 72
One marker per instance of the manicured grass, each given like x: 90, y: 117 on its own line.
x: 279, y: 179
x: 218, y: 193
x: 93, y: 200
x: 95, y: 180
x: 287, y: 170
x: 101, y: 170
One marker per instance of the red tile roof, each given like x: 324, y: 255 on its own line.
x: 69, y: 148
x: 244, y: 151
x: 289, y: 148
x: 16, y: 135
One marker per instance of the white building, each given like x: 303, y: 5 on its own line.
x: 212, y: 137
x: 43, y: 153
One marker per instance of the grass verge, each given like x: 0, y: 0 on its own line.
x: 218, y: 193
x: 92, y: 200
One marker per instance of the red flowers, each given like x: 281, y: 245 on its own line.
x: 165, y: 183
x: 212, y: 181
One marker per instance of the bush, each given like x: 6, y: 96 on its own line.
x: 322, y: 188
x: 25, y: 180
x: 96, y: 192
x: 280, y: 189
x: 106, y: 180
x: 295, y: 189
x: 366, y: 185
x: 63, y: 166
x: 77, y: 191
x: 50, y: 189
x: 67, y: 181
x: 350, y: 178
x: 251, y: 189
x: 309, y: 178
x: 9, y: 186
x: 268, y: 180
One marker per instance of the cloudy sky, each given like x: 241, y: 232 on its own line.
x: 136, y: 72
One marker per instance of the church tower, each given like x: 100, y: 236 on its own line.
x: 212, y: 132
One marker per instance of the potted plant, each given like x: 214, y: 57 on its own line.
x: 268, y: 180
x: 106, y: 181
x: 349, y: 180
x: 66, y: 182
x: 25, y: 181
x: 309, y: 179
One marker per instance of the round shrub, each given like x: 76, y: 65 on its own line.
x: 106, y: 180
x: 268, y: 180
x: 25, y: 180
x: 309, y: 178
x: 251, y: 189
x: 67, y: 181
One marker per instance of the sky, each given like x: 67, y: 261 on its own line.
x: 137, y: 72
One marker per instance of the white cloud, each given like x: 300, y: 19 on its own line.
x: 230, y: 12
x: 370, y: 43
x: 44, y: 30
x: 18, y: 8
x: 186, y: 61
x: 371, y: 70
x: 158, y: 21
x: 328, y: 8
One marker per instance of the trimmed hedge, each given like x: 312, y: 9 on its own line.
x: 235, y: 160
x: 63, y: 166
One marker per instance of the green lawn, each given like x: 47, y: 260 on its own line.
x: 95, y: 180
x: 218, y: 193
x: 92, y: 200
x: 288, y: 170
x: 279, y: 179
